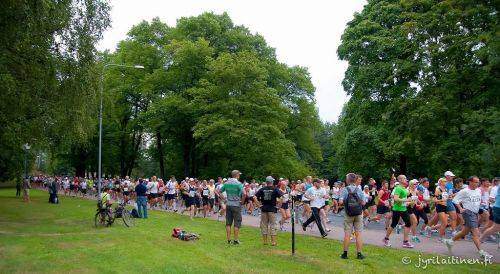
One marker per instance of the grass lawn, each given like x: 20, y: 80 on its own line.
x: 41, y: 237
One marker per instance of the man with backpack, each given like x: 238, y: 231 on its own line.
x: 352, y: 197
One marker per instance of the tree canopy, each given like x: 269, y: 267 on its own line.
x: 423, y: 77
x: 47, y: 75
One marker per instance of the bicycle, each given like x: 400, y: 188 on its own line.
x: 105, y: 216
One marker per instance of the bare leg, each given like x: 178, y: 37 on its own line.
x: 228, y: 232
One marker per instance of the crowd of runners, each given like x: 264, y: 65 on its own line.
x: 452, y: 209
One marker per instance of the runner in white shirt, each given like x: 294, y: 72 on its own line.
x: 317, y: 196
x: 66, y: 186
x: 153, y: 192
x: 83, y: 187
x: 170, y: 191
x: 126, y: 186
x: 468, y: 201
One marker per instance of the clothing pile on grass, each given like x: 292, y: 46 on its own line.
x: 184, y: 235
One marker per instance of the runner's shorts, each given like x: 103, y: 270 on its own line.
x: 496, y: 215
x: 470, y: 219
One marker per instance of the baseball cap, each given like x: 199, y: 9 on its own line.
x: 269, y: 179
x: 235, y: 172
x: 449, y: 173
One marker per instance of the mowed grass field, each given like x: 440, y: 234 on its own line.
x: 43, y: 238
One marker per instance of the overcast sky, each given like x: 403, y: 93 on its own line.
x: 305, y: 33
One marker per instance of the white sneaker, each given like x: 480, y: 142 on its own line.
x: 448, y: 243
x: 485, y: 255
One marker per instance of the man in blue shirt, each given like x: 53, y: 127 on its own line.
x: 142, y: 199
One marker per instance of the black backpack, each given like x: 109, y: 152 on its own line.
x: 353, y: 205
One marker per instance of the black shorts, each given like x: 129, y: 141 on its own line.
x: 153, y: 195
x: 248, y: 200
x: 117, y: 189
x: 84, y: 191
x: 126, y: 193
x: 197, y: 201
x: 204, y: 200
x: 382, y: 209
x: 440, y: 208
x: 410, y: 210
x: 400, y: 214
x: 284, y: 206
x: 298, y: 198
x: 71, y: 187
x: 427, y: 209
x: 211, y: 202
x: 190, y: 201
x: 169, y: 196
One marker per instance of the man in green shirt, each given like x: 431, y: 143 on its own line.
x: 234, y: 193
x: 400, y: 196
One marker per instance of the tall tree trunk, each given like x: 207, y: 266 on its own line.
x: 159, y: 147
x: 185, y: 157
x: 80, y: 163
x: 402, y: 164
x: 137, y: 143
x: 192, y: 158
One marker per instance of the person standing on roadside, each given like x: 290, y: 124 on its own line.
x: 18, y: 188
x: 142, y: 199
x: 268, y: 197
x: 234, y: 193
x: 26, y: 190
x: 352, y: 197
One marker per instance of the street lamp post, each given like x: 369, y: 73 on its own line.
x: 101, y: 88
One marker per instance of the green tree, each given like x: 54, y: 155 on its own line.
x: 423, y: 80
x: 47, y: 75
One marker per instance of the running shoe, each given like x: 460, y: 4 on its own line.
x: 485, y: 255
x: 448, y: 243
x: 303, y: 227
x: 408, y: 245
x: 343, y: 256
x: 360, y: 256
x: 386, y: 242
x: 415, y: 239
x: 236, y: 242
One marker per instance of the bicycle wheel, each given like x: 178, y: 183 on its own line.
x: 99, y: 220
x: 128, y: 220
